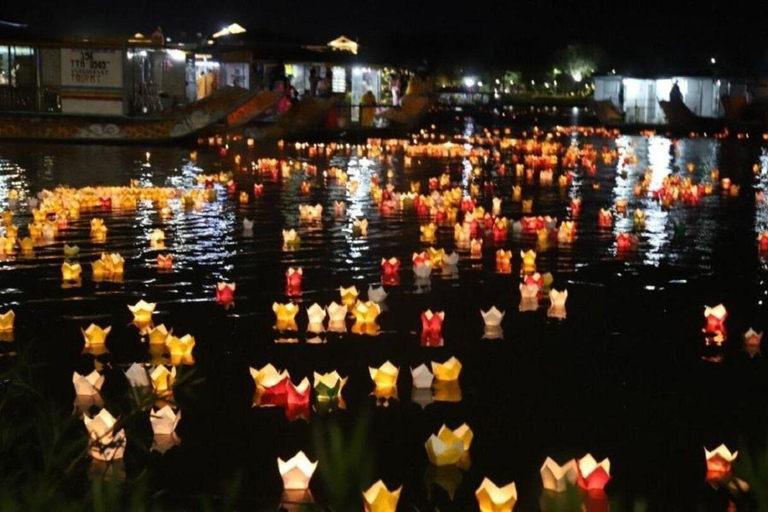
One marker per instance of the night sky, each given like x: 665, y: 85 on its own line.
x: 521, y: 33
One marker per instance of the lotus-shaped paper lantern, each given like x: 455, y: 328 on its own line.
x: 98, y: 230
x: 142, y: 311
x: 604, y: 218
x: 491, y: 498
x: 137, y: 376
x: 432, y: 323
x: 337, y: 313
x: 390, y: 267
x: 447, y: 371
x: 71, y: 271
x: 377, y: 295
x: 450, y: 260
x: 449, y: 446
x: 422, y: 377
x: 639, y: 218
x: 503, y: 261
x: 339, y: 208
x: 165, y: 261
x: 715, y: 318
x: 71, y: 251
x: 380, y: 499
x: 558, y: 298
x: 752, y: 340
x: 527, y: 206
x: 291, y: 239
x: 360, y: 227
x: 247, y: 225
x: 385, y: 376
x: 557, y: 478
x: 626, y: 242
x: 366, y: 312
x: 316, y: 316
x: 428, y: 232
x: 529, y: 261
x: 162, y: 380
x: 762, y: 241
x: 566, y: 231
x: 719, y: 463
x: 293, y: 278
x: 476, y: 248
x: 296, y: 472
x: 95, y: 335
x: 158, y: 335
x: 348, y: 295
x: 328, y: 386
x: 157, y: 239
x: 529, y: 290
x: 225, y: 293
x: 492, y: 317
x: 104, y: 444
x: 164, y: 420
x: 592, y: 475
x: 285, y: 312
x: 311, y: 213
x: 87, y: 385
x: 180, y: 347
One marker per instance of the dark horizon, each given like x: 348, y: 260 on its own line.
x: 526, y: 34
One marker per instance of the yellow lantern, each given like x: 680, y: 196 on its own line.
x: 449, y: 446
x: 180, y: 347
x: 380, y: 499
x: 366, y: 312
x: 157, y: 239
x: 71, y: 271
x: 285, y: 312
x: 71, y: 251
x: 491, y: 498
x: 529, y: 261
x: 385, y: 376
x: 98, y: 230
x: 162, y: 379
x: 447, y: 371
x: 95, y: 335
x: 348, y: 295
x: 158, y: 335
x: 428, y: 231
x: 142, y: 311
x: 7, y: 320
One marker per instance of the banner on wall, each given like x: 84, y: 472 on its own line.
x: 91, y: 68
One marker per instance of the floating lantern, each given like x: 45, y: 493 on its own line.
x: 557, y: 478
x: 165, y: 261
x: 296, y: 472
x: 162, y: 380
x: 626, y: 242
x: 310, y: 213
x: 639, y: 218
x: 247, y: 225
x: 428, y: 231
x: 432, y: 323
x: 377, y: 295
x: 87, y: 385
x: 360, y: 227
x: 529, y: 261
x: 291, y: 239
x: 558, y: 298
x: 449, y: 446
x: 71, y: 251
x: 492, y: 317
x: 164, y: 420
x: 71, y: 271
x: 447, y: 371
x: 715, y: 318
x: 719, y: 463
x: 337, y: 313
x: 339, y: 208
x: 380, y: 499
x: 604, y: 218
x: 366, y: 312
x: 316, y: 316
x: 450, y: 260
x: 285, y: 312
x: 348, y: 295
x: 527, y: 205
x: 491, y: 498
x: 328, y: 386
x: 142, y: 311
x: 137, y: 376
x: 503, y: 261
x: 422, y: 377
x: 98, y: 230
x: 385, y: 376
x: 158, y: 335
x: 592, y: 475
x: 293, y: 278
x: 390, y: 268
x: 157, y: 239
x: 575, y: 206
x: 476, y: 248
x: 104, y: 444
x: 244, y: 198
x: 297, y: 399
x: 180, y: 347
x: 95, y: 335
x: 752, y: 342
x: 529, y: 290
x: 225, y: 293
x: 27, y: 245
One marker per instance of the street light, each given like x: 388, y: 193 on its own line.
x: 713, y: 61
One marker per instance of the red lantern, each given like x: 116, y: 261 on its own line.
x: 762, y: 241
x: 575, y: 206
x: 593, y: 476
x: 432, y: 323
x: 276, y: 395
x: 604, y: 218
x: 715, y: 319
x: 258, y: 189
x: 626, y: 242
x: 105, y: 202
x: 225, y: 293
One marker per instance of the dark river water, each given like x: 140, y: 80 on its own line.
x: 625, y: 375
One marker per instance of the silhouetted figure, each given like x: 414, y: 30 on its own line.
x: 675, y: 95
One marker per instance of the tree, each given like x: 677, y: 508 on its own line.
x: 580, y: 60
